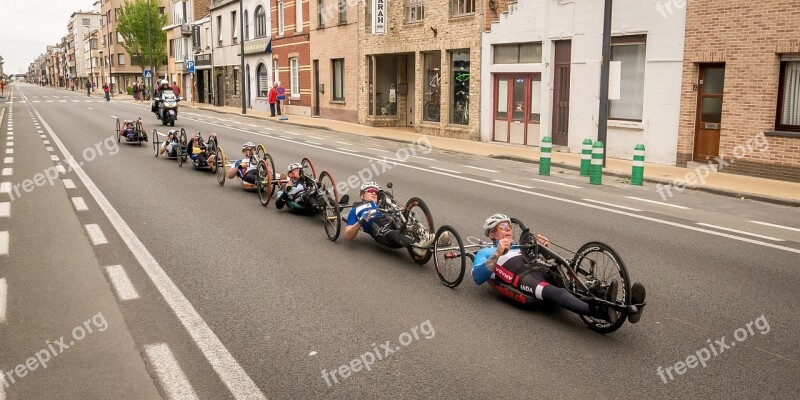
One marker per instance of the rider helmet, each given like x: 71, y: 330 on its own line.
x: 248, y: 145
x: 294, y: 166
x: 492, y: 222
x: 368, y: 185
x: 164, y: 82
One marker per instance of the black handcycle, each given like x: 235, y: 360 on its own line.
x: 136, y: 137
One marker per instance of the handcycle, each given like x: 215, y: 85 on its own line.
x: 178, y: 140
x: 413, y: 220
x: 139, y: 135
x: 221, y: 169
x: 208, y: 148
x: 321, y: 192
x: 587, y: 275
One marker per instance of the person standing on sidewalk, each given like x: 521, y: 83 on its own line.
x: 273, y: 97
x: 281, y: 97
x: 176, y: 89
x: 88, y: 89
x: 107, y: 90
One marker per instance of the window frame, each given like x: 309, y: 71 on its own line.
x: 414, y: 4
x: 781, y: 92
x: 259, y: 68
x: 261, y: 22
x: 234, y: 28
x: 629, y: 40
x: 281, y: 18
x: 294, y: 77
x: 341, y: 76
x: 342, y: 10
x: 456, y: 6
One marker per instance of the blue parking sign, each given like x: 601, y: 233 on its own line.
x: 190, y: 66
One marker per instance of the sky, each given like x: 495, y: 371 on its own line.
x: 28, y: 26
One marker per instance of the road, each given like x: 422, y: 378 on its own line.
x: 233, y: 300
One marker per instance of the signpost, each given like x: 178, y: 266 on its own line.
x: 190, y: 68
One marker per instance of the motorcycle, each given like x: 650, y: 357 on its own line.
x: 167, y: 110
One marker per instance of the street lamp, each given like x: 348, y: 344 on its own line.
x: 150, y: 44
x: 602, y: 126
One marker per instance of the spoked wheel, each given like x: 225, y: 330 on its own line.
x: 181, y: 147
x: 219, y: 166
x: 119, y: 133
x: 528, y: 246
x: 331, y: 214
x: 261, y: 151
x: 418, y: 210
x: 264, y: 175
x: 449, y: 256
x: 139, y: 133
x: 308, y: 168
x: 597, y: 265
x: 156, y: 143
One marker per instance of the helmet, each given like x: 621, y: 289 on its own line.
x: 248, y: 145
x: 492, y: 221
x: 294, y: 166
x: 368, y: 185
x: 164, y: 82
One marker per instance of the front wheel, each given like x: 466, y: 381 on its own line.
x: 450, y: 258
x: 597, y: 265
x: 332, y: 219
x: 419, y: 223
x: 156, y: 143
x: 308, y: 168
x: 119, y: 133
x: 219, y: 166
x: 264, y: 176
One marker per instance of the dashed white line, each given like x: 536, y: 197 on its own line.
x: 738, y: 231
x: 79, y: 203
x: 424, y: 158
x: 343, y: 149
x: 8, y: 171
x: 310, y: 142
x: 481, y: 169
x: 380, y: 150
x: 614, y: 205
x: 293, y: 133
x: 60, y: 168
x: 512, y: 184
x: 4, y: 243
x: 113, y: 116
x: 776, y: 226
x: 173, y: 380
x: 46, y: 141
x: 340, y: 142
x: 9, y: 151
x: 446, y: 170
x: 5, y: 209
x: 95, y: 234
x: 122, y: 284
x: 8, y: 160
x: 48, y: 148
x: 3, y: 303
x: 556, y: 183
x: 54, y: 157
x: 310, y: 137
x: 658, y: 202
x: 68, y: 184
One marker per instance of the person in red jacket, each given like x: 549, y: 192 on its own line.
x: 273, y: 98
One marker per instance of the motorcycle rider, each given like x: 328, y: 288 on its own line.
x: 163, y: 86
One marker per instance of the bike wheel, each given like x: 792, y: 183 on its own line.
x: 529, y: 246
x: 597, y: 264
x: 139, y: 133
x: 261, y: 151
x: 331, y: 213
x: 156, y: 143
x: 432, y: 112
x: 450, y: 258
x: 118, y: 130
x: 416, y: 209
x: 308, y: 168
x: 264, y: 175
x: 219, y: 166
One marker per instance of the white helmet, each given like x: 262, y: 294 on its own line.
x: 492, y: 222
x: 248, y: 145
x: 368, y: 185
x: 294, y: 166
x: 164, y: 82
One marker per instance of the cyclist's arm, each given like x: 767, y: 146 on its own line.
x: 483, y: 265
x: 232, y: 171
x: 353, y: 225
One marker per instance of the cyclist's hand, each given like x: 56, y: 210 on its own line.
x: 543, y: 240
x: 503, y: 245
x: 366, y: 217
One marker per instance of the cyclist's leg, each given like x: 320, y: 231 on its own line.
x: 391, y: 237
x: 536, y: 283
x: 250, y: 176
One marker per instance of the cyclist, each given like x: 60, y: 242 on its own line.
x: 128, y: 130
x: 366, y: 215
x: 196, y: 150
x: 169, y: 144
x: 243, y: 168
x: 293, y: 190
x: 508, y: 265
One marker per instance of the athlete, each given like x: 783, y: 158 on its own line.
x: 244, y: 168
x: 170, y: 144
x: 293, y: 190
x: 197, y: 151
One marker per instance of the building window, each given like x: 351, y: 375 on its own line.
x: 294, y: 76
x: 280, y: 18
x: 275, y: 71
x: 219, y: 30
x: 789, y: 96
x: 121, y: 59
x: 342, y: 11
x: 246, y: 26
x: 415, y: 10
x: 433, y: 86
x: 298, y: 16
x: 234, y: 28
x: 338, y: 79
x: 87, y: 22
x: 517, y: 53
x: 630, y: 52
x: 320, y: 13
x: 459, y: 83
x: 236, y: 81
x: 262, y: 81
x: 120, y: 39
x: 462, y: 7
x: 261, y: 22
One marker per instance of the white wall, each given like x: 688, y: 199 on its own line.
x: 582, y: 22
x: 228, y: 54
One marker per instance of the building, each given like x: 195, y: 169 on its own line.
x: 291, y: 54
x: 334, y: 60
x: 91, y: 58
x: 541, y: 75
x: 114, y: 58
x: 183, y: 13
x: 201, y: 45
x: 257, y: 53
x: 420, y: 66
x: 740, y: 104
x: 80, y: 25
x: 226, y: 60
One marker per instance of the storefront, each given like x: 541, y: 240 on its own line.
x: 517, y: 107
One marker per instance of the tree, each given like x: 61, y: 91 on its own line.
x: 132, y: 26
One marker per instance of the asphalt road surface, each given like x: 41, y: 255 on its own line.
x: 210, y: 295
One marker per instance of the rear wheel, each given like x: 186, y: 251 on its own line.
x: 261, y: 151
x: 308, y: 168
x: 139, y: 133
x: 181, y: 147
x: 421, y: 225
x: 449, y: 258
x: 264, y: 175
x: 597, y: 265
x: 119, y: 133
x: 156, y: 144
x: 219, y: 166
x: 331, y: 212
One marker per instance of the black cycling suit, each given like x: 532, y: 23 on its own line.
x: 382, y: 229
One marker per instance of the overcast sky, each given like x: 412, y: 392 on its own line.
x: 28, y: 26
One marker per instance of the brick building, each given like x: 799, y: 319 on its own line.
x: 291, y: 53
x: 741, y: 80
x: 420, y: 66
x: 115, y: 60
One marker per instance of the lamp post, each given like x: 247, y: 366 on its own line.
x: 150, y: 44
x: 602, y: 125
x: 241, y: 52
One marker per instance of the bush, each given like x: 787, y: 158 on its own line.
x: 129, y: 90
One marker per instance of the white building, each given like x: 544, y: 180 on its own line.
x: 541, y: 75
x: 81, y: 24
x: 225, y: 34
x: 258, y: 62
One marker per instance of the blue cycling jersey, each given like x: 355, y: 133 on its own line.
x: 481, y: 274
x: 359, y: 210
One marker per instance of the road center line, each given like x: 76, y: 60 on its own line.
x: 3, y: 303
x: 776, y: 226
x: 661, y: 203
x: 4, y: 243
x: 742, y: 232
x: 5, y: 209
x: 122, y: 284
x: 556, y: 183
x: 446, y: 170
x: 481, y: 169
x: 614, y: 205
x: 512, y: 184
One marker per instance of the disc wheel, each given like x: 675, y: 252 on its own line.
x: 449, y: 257
x: 219, y: 166
x: 597, y: 265
x: 417, y: 210
x: 156, y: 143
x: 264, y: 176
x: 331, y: 213
x: 308, y: 168
x: 119, y: 132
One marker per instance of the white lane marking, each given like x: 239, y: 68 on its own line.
x: 68, y: 184
x: 5, y: 209
x: 343, y: 149
x: 425, y: 158
x: 556, y: 183
x: 60, y: 168
x: 776, y: 226
x: 614, y: 205
x: 742, y: 232
x: 172, y: 379
x: 79, y: 203
x: 480, y: 169
x: 308, y: 141
x: 380, y: 150
x: 46, y: 141
x: 293, y: 133
x: 122, y: 284
x: 49, y: 101
x: 113, y: 116
x: 311, y: 137
x: 96, y: 234
x: 8, y: 160
x: 3, y: 302
x: 10, y: 144
x: 227, y: 368
x: 4, y: 243
x: 658, y: 202
x: 512, y: 184
x: 54, y: 157
x: 8, y: 171
x: 446, y: 170
x: 48, y: 148
x: 9, y: 151
x: 340, y: 142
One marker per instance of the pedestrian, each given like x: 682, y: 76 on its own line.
x: 176, y: 89
x: 272, y: 98
x: 281, y: 97
x: 136, y: 92
x: 94, y: 86
x: 88, y: 89
x: 107, y: 91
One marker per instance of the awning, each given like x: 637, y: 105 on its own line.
x: 257, y: 46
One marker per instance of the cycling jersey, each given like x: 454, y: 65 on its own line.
x: 380, y: 226
x: 246, y: 170
x: 506, y: 266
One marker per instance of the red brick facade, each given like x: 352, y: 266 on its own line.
x: 749, y: 38
x: 290, y: 45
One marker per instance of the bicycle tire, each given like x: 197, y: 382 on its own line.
x: 601, y: 326
x: 449, y: 253
x: 412, y: 203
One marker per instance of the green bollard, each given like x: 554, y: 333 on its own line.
x: 586, y: 157
x: 544, y: 156
x: 637, y: 172
x: 596, y: 173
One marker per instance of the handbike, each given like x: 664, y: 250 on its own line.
x: 139, y: 135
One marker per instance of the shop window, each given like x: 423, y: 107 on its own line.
x: 789, y: 96
x: 433, y: 86
x: 459, y: 84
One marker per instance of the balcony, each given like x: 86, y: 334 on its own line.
x: 186, y: 29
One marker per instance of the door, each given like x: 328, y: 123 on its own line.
x: 316, y: 88
x: 516, y: 108
x: 220, y: 90
x: 411, y: 95
x: 561, y: 65
x: 201, y: 86
x: 709, y: 112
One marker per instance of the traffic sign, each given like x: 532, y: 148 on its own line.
x: 190, y: 66
x: 148, y: 73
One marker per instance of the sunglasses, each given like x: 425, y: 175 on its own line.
x: 504, y: 226
x: 372, y: 191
